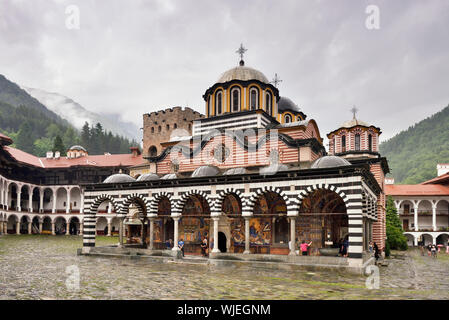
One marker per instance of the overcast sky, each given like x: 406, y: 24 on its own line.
x: 133, y: 57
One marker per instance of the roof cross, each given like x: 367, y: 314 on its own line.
x: 241, y: 51
x: 276, y: 80
x: 354, y: 111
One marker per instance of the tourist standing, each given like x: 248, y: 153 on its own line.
x: 433, y: 250
x: 344, y: 249
x: 181, y: 246
x: 447, y: 248
x: 305, y: 247
x: 371, y: 249
x: 204, y: 247
x: 376, y: 252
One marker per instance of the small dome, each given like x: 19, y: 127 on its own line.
x: 205, y: 171
x: 354, y: 122
x: 77, y: 147
x: 286, y: 104
x: 273, y: 168
x: 233, y: 171
x: 119, y: 178
x: 170, y: 176
x: 330, y: 162
x: 148, y: 177
x: 242, y: 73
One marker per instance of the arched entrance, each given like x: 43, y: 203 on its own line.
x: 269, y: 208
x: 74, y: 226
x: 24, y: 225
x: 323, y: 220
x: 222, y: 242
x: 232, y: 224
x: 60, y: 226
x: 12, y: 224
x: 46, y: 225
x: 136, y: 222
x: 35, y: 225
x: 194, y: 223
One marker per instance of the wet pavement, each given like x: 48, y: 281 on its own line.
x: 45, y: 267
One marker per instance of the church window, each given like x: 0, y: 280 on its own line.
x: 370, y: 142
x: 343, y: 143
x: 152, y: 129
x: 209, y: 106
x: 287, y: 118
x: 268, y: 103
x: 253, y: 101
x: 357, y: 142
x: 235, y: 92
x: 218, y: 103
x: 168, y: 127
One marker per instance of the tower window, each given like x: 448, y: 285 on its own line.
x: 268, y: 103
x: 218, y: 103
x: 235, y: 92
x: 287, y: 118
x: 254, y: 93
x: 152, y: 151
x: 209, y: 106
x: 343, y: 143
x: 152, y: 129
x: 168, y: 127
x: 370, y: 142
x: 357, y: 142
x: 175, y: 125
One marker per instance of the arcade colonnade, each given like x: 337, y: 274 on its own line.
x: 207, y: 204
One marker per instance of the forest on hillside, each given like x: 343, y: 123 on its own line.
x: 33, y: 131
x: 414, y: 153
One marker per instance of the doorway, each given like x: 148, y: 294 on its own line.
x: 221, y: 242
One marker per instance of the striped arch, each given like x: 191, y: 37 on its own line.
x: 222, y: 195
x: 304, y: 193
x: 143, y: 205
x: 99, y: 200
x: 154, y: 203
x: 177, y: 210
x: 292, y: 205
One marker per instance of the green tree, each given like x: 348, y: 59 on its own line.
x: 58, y: 145
x: 42, y: 146
x: 24, y: 139
x: 395, y: 235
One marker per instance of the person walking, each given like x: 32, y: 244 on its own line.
x: 376, y: 252
x: 344, y: 249
x: 433, y: 251
x: 371, y: 248
x: 181, y: 246
x: 304, y: 247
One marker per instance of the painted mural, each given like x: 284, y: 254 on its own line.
x: 193, y: 229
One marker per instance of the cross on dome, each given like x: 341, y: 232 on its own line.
x: 354, y: 111
x: 276, y: 80
x: 241, y: 51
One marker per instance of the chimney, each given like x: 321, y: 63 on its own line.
x: 389, y: 180
x: 57, y: 154
x: 135, y: 151
x: 49, y: 154
x: 442, y: 168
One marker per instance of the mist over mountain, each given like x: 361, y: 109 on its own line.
x: 77, y: 115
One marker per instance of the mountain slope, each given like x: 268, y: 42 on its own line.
x: 414, y: 153
x: 12, y: 94
x: 77, y: 115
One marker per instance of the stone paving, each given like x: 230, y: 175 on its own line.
x: 34, y: 267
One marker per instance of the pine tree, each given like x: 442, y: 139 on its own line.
x: 58, y: 145
x: 395, y: 234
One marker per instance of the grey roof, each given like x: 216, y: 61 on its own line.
x: 330, y: 162
x: 148, y: 177
x: 242, y: 73
x: 232, y: 171
x: 286, y: 104
x: 354, y: 122
x: 119, y: 178
x: 169, y: 176
x: 273, y: 168
x: 77, y: 147
x: 293, y: 124
x: 205, y: 171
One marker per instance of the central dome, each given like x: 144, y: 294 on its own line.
x: 242, y: 73
x: 286, y: 104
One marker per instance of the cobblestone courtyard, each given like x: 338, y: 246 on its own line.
x: 34, y: 267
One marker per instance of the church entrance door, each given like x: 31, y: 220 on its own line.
x: 221, y: 242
